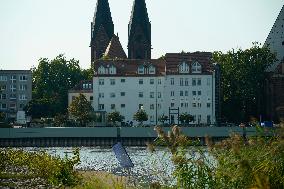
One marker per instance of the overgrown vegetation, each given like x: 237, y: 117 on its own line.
x: 234, y: 163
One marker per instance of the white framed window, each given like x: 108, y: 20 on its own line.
x: 184, y: 68
x: 185, y: 93
x: 112, y: 81
x: 152, y: 94
x: 151, y: 118
x: 23, y: 77
x: 13, y: 106
x: 112, y: 95
x: 194, y: 82
x: 101, y: 95
x: 3, y: 87
x: 23, y: 97
x: 122, y: 105
x: 14, y: 97
x: 23, y: 87
x: 3, y: 96
x: 141, y: 70
x: 199, y: 118
x: 196, y: 68
x: 112, y: 70
x: 112, y: 106
x: 3, y: 78
x: 140, y: 81
x: 186, y: 83
x: 199, y: 81
x: 199, y: 93
x: 101, y: 106
x: 159, y: 81
x: 122, y: 80
x: 102, y: 70
x: 152, y: 81
x: 152, y: 106
x: 181, y: 93
x: 152, y: 70
x: 3, y: 106
x: 172, y: 93
x: 13, y: 78
x: 141, y: 95
x: 181, y: 81
x: 172, y: 81
x: 122, y: 94
x: 13, y: 88
x: 159, y: 95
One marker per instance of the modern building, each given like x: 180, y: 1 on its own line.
x: 15, y: 91
x: 275, y: 81
x: 175, y: 84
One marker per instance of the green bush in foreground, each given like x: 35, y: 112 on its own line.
x: 256, y: 163
x: 52, y: 170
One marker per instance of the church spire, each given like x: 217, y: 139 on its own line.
x: 139, y: 32
x: 102, y: 29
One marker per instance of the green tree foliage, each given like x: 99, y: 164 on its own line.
x: 243, y: 81
x: 140, y: 116
x: 186, y: 118
x: 2, y: 116
x: 81, y: 109
x: 115, y: 117
x: 51, y: 81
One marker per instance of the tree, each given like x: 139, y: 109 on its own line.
x: 140, y: 116
x: 115, y: 117
x: 51, y: 81
x: 163, y: 118
x: 81, y: 110
x: 243, y: 75
x: 186, y: 118
x: 2, y: 116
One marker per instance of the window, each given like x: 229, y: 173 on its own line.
x: 141, y: 95
x: 151, y: 118
x: 3, y: 78
x: 193, y: 93
x: 186, y: 104
x: 101, y: 70
x: 159, y: 81
x: 194, y: 105
x: 181, y: 81
x: 101, y: 81
x: 196, y: 67
x: 159, y: 95
x: 152, y: 95
x: 3, y: 96
x: 152, y: 70
x: 3, y: 106
x: 13, y: 88
x: 199, y: 105
x: 140, y: 106
x: 184, y: 68
x: 112, y: 106
x: 152, y: 81
x: 23, y: 97
x: 101, y: 106
x: 199, y: 82
x: 122, y: 80
x: 199, y: 93
x: 101, y: 95
x: 181, y: 93
x: 181, y: 105
x: 172, y: 105
x: 194, y: 82
x: 3, y: 87
x: 152, y: 107
x: 23, y: 78
x: 208, y: 105
x: 112, y: 70
x: 185, y: 93
x: 172, y: 93
x: 13, y: 106
x: 112, y: 95
x: 282, y: 42
x: 91, y: 98
x: 23, y: 87
x: 13, y: 97
x: 199, y: 118
x: 186, y: 82
x: 122, y: 94
x: 122, y: 105
x: 140, y: 81
x: 172, y: 81
x: 208, y: 119
x: 159, y: 106
x: 13, y: 78
x: 141, y: 70
x: 112, y: 81
x: 208, y: 81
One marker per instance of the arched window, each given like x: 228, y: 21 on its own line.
x: 183, y: 68
x: 101, y: 70
x: 141, y: 69
x: 112, y: 70
x: 196, y: 68
x: 152, y: 70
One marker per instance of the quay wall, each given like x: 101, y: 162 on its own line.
x: 103, y: 136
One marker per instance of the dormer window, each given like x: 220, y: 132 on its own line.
x: 112, y: 70
x: 196, y: 68
x: 101, y: 70
x: 184, y: 68
x: 152, y: 70
x: 141, y: 69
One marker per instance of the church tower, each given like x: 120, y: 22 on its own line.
x: 139, y: 32
x: 102, y: 30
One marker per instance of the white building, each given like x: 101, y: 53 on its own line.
x: 180, y: 83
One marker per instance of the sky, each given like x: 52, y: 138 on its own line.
x: 34, y: 29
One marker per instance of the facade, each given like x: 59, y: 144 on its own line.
x: 275, y: 81
x: 85, y: 88
x: 15, y: 91
x: 182, y: 83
